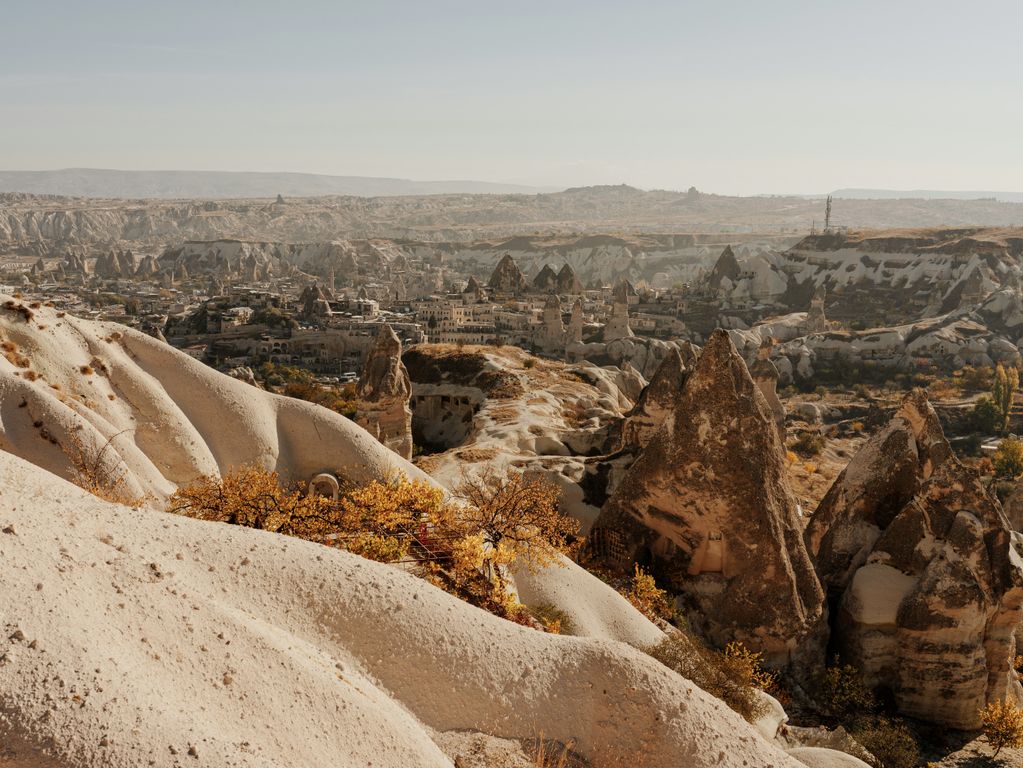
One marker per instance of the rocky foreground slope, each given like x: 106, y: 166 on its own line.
x: 131, y: 637
x: 136, y: 409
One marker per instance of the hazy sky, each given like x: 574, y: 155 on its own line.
x: 730, y: 96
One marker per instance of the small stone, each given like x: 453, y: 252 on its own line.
x: 17, y: 636
x: 104, y: 742
x: 192, y: 751
x: 9, y: 529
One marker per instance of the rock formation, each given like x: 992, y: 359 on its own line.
x: 656, y: 403
x: 725, y: 271
x: 919, y: 560
x: 765, y: 374
x: 575, y: 323
x: 473, y: 290
x: 383, y: 391
x: 816, y: 321
x: 708, y: 503
x: 1013, y: 508
x: 507, y: 277
x: 551, y: 335
x: 618, y: 324
x: 546, y: 281
x: 568, y: 281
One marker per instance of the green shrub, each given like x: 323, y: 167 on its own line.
x: 1003, y: 489
x: 808, y: 443
x: 985, y: 415
x: 839, y: 692
x: 889, y: 740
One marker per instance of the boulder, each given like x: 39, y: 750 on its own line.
x: 707, y: 504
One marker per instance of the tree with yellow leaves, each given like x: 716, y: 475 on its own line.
x: 518, y: 517
x: 1003, y: 725
x: 459, y: 547
x: 1003, y: 391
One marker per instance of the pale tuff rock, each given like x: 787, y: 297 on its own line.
x: 709, y: 503
x: 765, y: 374
x: 920, y: 560
x: 551, y: 334
x: 473, y: 290
x: 816, y: 321
x: 243, y: 373
x: 656, y: 402
x: 383, y: 392
x: 575, y: 324
x: 507, y: 277
x: 618, y: 324
x: 147, y: 613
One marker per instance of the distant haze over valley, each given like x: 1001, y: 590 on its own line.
x: 111, y: 183
x: 102, y: 182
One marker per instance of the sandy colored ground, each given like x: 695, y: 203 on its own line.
x: 131, y: 637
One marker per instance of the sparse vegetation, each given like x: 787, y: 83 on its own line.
x: 732, y: 675
x: 1008, y: 459
x: 809, y: 443
x: 460, y: 548
x: 985, y: 415
x: 517, y: 514
x: 552, y: 618
x: 889, y: 740
x: 302, y: 385
x: 979, y: 379
x: 94, y: 470
x: 649, y: 599
x: 1002, y: 393
x: 1002, y: 722
x: 840, y: 693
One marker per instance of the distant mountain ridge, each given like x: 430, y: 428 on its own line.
x: 926, y: 194
x: 102, y: 182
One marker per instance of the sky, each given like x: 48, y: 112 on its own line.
x: 730, y: 96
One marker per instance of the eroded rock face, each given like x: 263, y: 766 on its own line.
x: 507, y: 277
x: 879, y: 481
x: 765, y: 374
x: 568, y: 282
x: 708, y: 504
x: 919, y: 559
x: 384, y: 390
x: 617, y: 326
x: 656, y: 402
